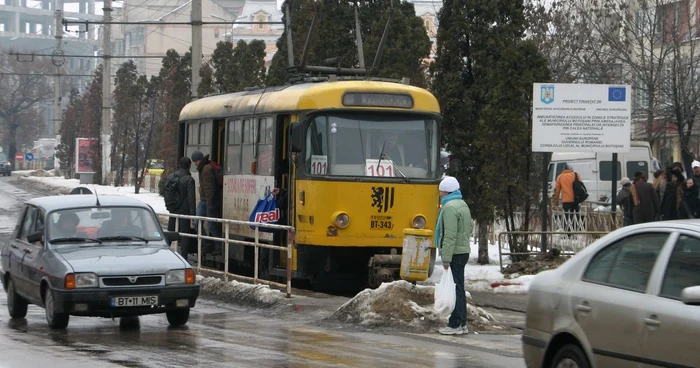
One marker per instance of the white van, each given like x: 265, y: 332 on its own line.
x: 596, y: 168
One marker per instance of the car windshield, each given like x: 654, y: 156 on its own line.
x: 3, y: 158
x: 385, y: 145
x: 105, y: 224
x: 156, y: 165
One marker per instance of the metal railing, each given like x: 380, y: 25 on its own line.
x: 227, y: 242
x: 563, y: 240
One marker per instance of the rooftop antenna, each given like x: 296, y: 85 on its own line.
x: 358, y: 35
x: 307, y: 44
x: 96, y: 197
x: 382, y: 42
x: 290, y: 45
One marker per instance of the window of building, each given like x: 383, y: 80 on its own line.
x: 260, y: 26
x: 627, y: 263
x: 138, y: 36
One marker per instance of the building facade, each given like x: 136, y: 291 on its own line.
x: 29, y: 27
x: 153, y: 41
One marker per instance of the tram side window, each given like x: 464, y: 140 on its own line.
x: 265, y: 151
x: 233, y: 149
x: 248, y: 147
x: 316, y: 146
x: 198, y: 139
x: 192, y: 140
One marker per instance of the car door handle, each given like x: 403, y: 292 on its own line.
x: 652, y: 321
x: 27, y: 251
x: 583, y: 308
x: 14, y: 246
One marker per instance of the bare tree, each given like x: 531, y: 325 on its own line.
x: 650, y: 45
x: 23, y: 90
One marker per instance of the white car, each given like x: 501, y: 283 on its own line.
x: 630, y: 299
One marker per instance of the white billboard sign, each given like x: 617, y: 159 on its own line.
x: 581, y: 117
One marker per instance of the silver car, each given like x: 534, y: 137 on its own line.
x: 82, y: 255
x: 631, y: 299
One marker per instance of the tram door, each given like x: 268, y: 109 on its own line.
x: 282, y: 181
x: 219, y: 142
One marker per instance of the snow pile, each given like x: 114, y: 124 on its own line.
x: 41, y: 173
x: 61, y: 185
x: 534, y: 265
x: 402, y: 304
x: 239, y: 292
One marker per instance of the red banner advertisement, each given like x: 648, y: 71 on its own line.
x: 86, y: 151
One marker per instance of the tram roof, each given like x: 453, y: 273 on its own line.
x: 307, y: 96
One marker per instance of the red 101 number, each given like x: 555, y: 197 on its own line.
x: 319, y: 168
x: 381, y: 171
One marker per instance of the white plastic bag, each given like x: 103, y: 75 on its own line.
x: 445, y: 295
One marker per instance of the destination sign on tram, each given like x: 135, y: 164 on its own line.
x: 378, y: 100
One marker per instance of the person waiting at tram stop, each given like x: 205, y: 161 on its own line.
x: 209, y: 194
x: 453, y: 231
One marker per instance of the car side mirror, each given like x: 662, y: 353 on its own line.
x: 296, y: 136
x: 35, y: 237
x: 691, y: 295
x: 171, y: 236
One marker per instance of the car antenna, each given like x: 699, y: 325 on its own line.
x: 96, y: 197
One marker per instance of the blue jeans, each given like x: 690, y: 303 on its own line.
x: 214, y: 227
x: 458, y: 318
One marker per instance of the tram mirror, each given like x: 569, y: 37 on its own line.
x: 296, y: 136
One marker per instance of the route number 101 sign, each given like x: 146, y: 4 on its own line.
x: 373, y: 168
x: 319, y: 165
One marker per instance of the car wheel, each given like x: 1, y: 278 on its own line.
x: 178, y: 317
x: 570, y: 356
x: 16, y: 305
x: 57, y: 321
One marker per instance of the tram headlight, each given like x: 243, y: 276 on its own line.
x: 341, y: 219
x: 418, y: 222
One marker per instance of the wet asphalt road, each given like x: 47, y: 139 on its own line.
x: 224, y: 335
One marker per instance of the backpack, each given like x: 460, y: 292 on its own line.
x: 218, y: 173
x: 580, y: 191
x: 171, y: 192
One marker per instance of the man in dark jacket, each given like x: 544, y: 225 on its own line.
x: 187, y: 205
x: 643, y: 198
x: 209, y: 193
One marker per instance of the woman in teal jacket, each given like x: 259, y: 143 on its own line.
x: 452, y: 234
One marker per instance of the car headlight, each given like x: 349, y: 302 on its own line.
x: 341, y: 219
x: 175, y: 277
x: 185, y: 276
x: 80, y: 280
x: 418, y: 222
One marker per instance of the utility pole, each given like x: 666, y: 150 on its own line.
x: 58, y: 114
x: 106, y: 94
x: 196, y: 19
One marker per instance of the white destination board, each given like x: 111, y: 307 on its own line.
x: 581, y: 117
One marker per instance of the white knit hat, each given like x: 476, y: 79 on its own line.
x: 449, y: 184
x: 695, y: 164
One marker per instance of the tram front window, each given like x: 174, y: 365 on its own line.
x: 354, y: 144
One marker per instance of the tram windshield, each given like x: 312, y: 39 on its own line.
x: 356, y: 144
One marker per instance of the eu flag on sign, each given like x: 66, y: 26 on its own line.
x: 617, y: 93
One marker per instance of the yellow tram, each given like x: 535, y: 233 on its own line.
x: 358, y: 160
